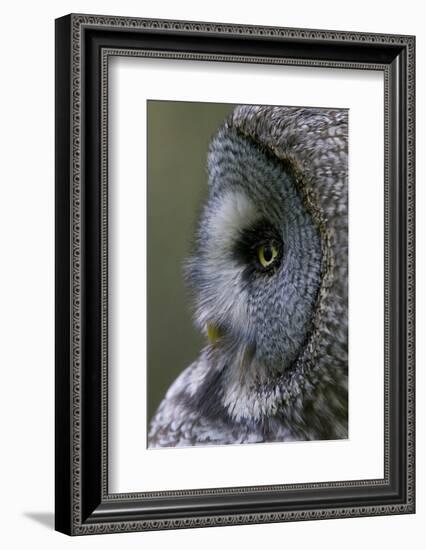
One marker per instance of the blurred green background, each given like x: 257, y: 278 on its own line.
x: 178, y: 138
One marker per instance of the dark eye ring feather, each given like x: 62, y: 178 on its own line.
x: 259, y: 248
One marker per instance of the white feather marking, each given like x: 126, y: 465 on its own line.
x: 223, y: 299
x: 234, y: 212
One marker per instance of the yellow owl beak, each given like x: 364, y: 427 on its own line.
x: 213, y: 333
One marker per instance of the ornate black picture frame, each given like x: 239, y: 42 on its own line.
x: 84, y: 43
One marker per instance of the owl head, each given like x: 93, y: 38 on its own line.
x: 268, y: 272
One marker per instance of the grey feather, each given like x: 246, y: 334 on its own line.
x: 278, y: 372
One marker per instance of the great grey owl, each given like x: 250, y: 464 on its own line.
x: 269, y: 278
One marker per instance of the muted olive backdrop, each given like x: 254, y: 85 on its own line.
x: 178, y: 137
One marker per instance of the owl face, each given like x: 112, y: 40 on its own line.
x: 256, y: 267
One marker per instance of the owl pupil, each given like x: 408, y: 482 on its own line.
x: 267, y: 253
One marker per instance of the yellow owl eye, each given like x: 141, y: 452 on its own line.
x: 267, y: 254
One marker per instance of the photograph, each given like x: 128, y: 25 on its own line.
x: 247, y: 273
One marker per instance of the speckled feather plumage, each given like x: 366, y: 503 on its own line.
x: 279, y: 370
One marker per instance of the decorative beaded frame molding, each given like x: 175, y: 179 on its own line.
x: 84, y: 44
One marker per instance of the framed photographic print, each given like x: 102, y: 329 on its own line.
x: 234, y: 274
